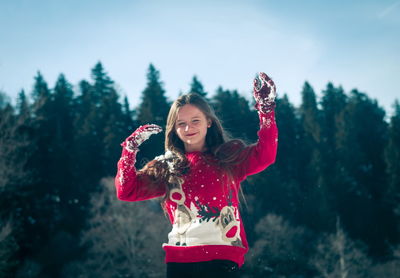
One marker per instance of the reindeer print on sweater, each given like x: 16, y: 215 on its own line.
x: 198, y: 223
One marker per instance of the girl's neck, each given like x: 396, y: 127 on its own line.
x: 204, y: 149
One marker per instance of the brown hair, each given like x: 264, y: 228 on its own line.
x: 218, y: 142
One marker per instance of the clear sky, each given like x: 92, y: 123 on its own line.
x: 355, y: 44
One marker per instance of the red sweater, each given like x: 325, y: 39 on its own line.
x: 206, y: 223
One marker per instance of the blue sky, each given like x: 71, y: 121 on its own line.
x: 355, y: 44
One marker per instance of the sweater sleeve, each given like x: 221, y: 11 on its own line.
x: 258, y: 156
x: 131, y: 185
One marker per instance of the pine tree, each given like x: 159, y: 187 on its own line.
x: 392, y: 160
x: 44, y: 129
x: 63, y: 104
x: 7, y: 161
x: 197, y: 87
x: 34, y: 150
x: 129, y: 122
x: 62, y: 168
x: 284, y: 175
x: 15, y: 192
x: 94, y: 113
x: 361, y: 137
x: 87, y: 144
x: 310, y: 135
x: 316, y: 207
x: 40, y: 92
x: 128, y: 113
x: 289, y: 144
x: 332, y: 103
x: 234, y: 112
x: 23, y: 104
x: 154, y: 106
x: 153, y: 109
x: 111, y: 125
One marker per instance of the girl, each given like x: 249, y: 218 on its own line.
x: 199, y: 178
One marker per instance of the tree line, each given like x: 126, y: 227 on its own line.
x: 328, y: 207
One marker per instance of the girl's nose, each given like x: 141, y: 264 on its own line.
x: 186, y: 127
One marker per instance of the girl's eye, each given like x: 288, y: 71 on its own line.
x: 182, y: 124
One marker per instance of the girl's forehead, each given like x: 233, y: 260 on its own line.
x: 189, y: 111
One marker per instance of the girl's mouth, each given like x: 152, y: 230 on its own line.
x: 189, y: 135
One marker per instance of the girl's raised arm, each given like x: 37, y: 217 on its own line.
x: 258, y: 156
x: 130, y: 185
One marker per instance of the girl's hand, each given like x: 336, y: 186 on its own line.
x: 141, y: 134
x: 264, y: 93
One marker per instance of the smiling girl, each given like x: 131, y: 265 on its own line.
x: 198, y: 179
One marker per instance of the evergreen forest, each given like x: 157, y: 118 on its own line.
x: 328, y: 207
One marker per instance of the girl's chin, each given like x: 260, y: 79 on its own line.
x: 192, y: 143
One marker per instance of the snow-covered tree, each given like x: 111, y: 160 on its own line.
x: 338, y: 256
x: 123, y: 239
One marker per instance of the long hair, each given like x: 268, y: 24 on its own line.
x: 218, y: 142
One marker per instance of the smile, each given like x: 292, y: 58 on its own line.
x: 189, y: 135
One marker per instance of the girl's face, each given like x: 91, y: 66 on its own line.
x: 191, y: 127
